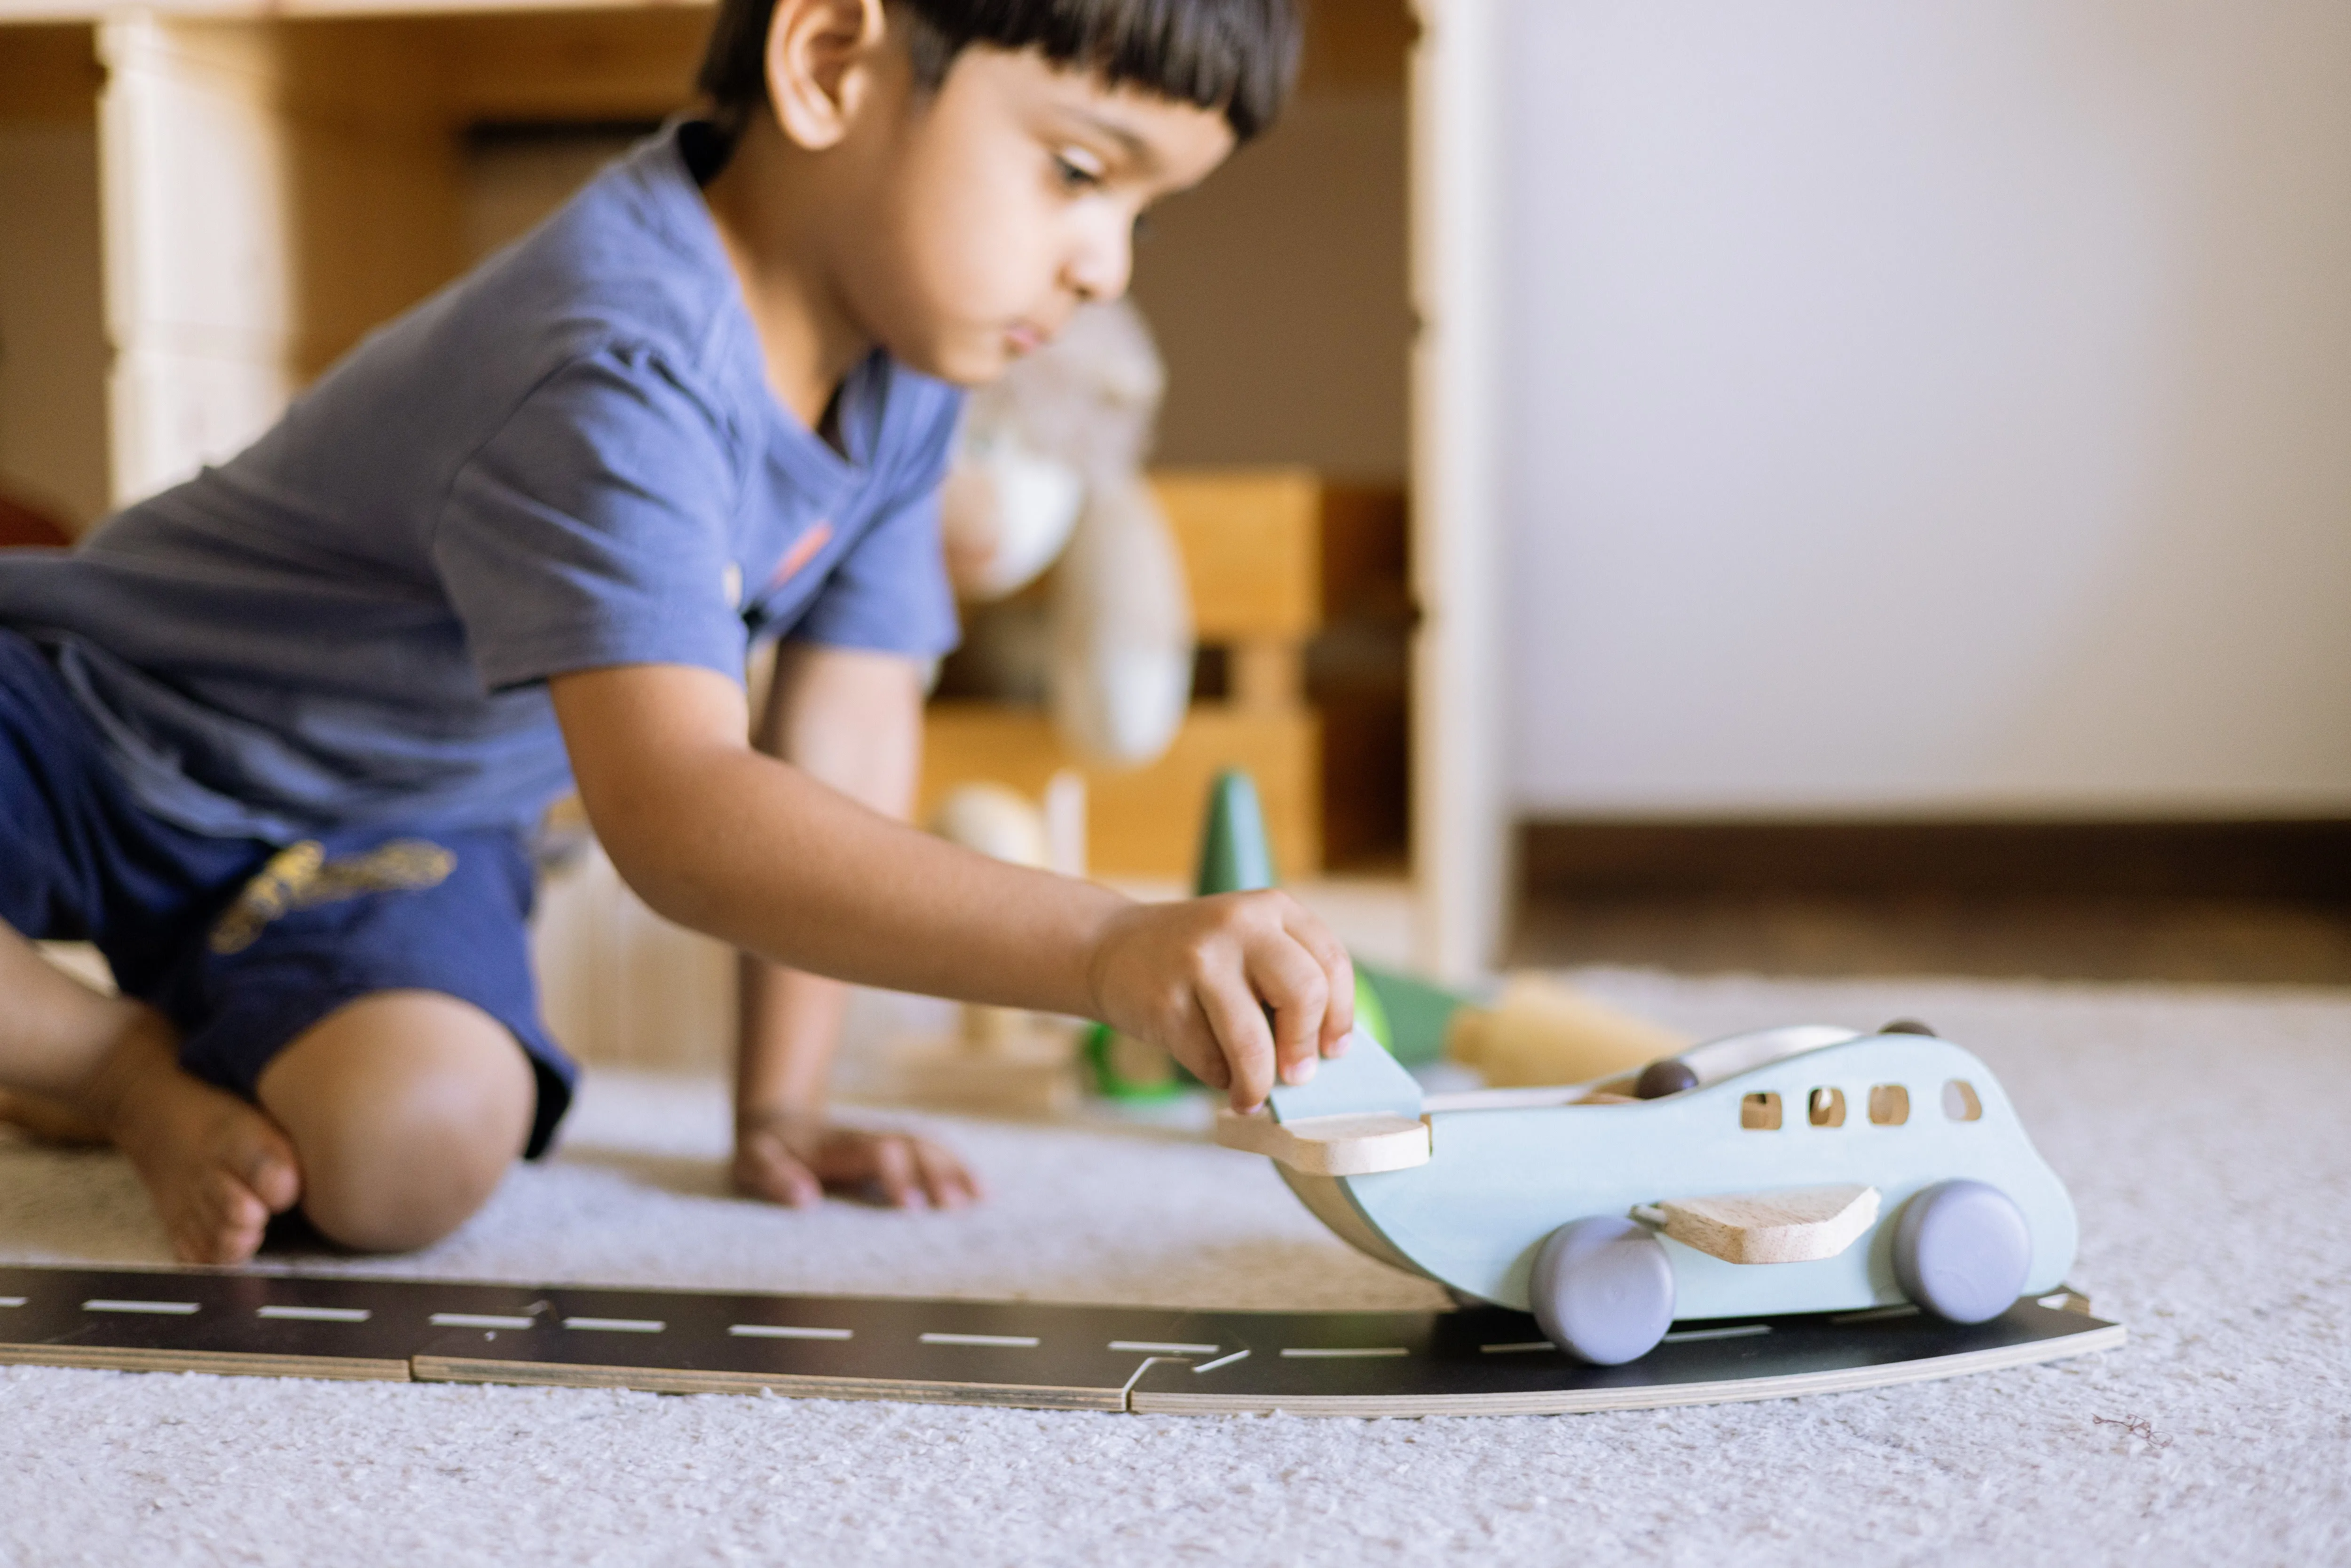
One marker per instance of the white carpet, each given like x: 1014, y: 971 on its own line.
x: 2206, y: 1135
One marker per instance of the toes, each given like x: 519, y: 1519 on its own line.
x: 270, y: 1173
x: 217, y: 1220
x: 251, y: 1150
x: 232, y: 1206
x: 196, y: 1239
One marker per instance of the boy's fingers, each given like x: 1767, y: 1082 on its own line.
x: 1338, y: 969
x: 767, y: 1171
x: 1243, y: 1040
x: 796, y: 1185
x: 1298, y: 991
x: 1194, y: 1044
x: 944, y: 1182
x: 893, y: 1167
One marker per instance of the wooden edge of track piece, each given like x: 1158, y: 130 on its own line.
x: 1650, y: 1396
x: 218, y: 1363
x: 675, y: 1380
x: 1354, y: 1144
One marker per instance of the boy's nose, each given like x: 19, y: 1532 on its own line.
x: 1103, y: 263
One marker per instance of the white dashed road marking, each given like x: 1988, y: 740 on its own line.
x: 1515, y: 1349
x: 1741, y: 1331
x: 1153, y: 1348
x: 316, y: 1314
x: 617, y: 1325
x: 786, y: 1330
x: 1337, y: 1354
x: 166, y: 1308
x: 479, y: 1321
x: 1017, y: 1342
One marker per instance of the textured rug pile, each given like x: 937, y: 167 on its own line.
x: 2206, y: 1135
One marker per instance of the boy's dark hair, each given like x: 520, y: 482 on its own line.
x: 1239, y: 57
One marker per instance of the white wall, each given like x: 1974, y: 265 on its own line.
x: 1933, y: 407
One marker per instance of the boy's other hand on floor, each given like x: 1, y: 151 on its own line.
x: 1239, y: 988
x: 794, y: 1158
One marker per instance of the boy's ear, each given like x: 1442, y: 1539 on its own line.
x: 819, y: 56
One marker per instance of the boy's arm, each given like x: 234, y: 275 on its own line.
x: 853, y: 719
x: 757, y: 853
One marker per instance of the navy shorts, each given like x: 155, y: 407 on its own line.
x: 245, y: 945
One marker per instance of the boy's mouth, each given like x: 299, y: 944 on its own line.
x: 1023, y: 337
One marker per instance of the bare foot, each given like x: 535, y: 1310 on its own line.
x: 215, y: 1168
x: 47, y: 1120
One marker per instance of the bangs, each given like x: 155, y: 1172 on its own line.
x: 1236, y: 57
x: 1239, y: 58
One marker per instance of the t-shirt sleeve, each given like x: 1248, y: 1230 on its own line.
x: 593, y: 529
x: 890, y: 592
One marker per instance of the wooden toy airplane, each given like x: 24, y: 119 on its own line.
x: 1807, y: 1169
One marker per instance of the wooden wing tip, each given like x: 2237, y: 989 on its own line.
x: 1799, y: 1225
x: 1357, y: 1145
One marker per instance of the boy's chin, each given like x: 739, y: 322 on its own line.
x: 971, y: 361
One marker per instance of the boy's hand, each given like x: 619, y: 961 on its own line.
x: 1200, y: 977
x: 795, y: 1158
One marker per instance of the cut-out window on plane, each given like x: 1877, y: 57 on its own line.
x: 1960, y: 1102
x: 1760, y: 1113
x: 1889, y: 1104
x: 1825, y: 1108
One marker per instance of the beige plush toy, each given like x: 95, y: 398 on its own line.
x: 1049, y: 465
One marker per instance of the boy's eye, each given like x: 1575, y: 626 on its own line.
x: 1077, y: 171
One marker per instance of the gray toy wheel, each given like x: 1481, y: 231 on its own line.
x: 1603, y: 1290
x: 1961, y: 1250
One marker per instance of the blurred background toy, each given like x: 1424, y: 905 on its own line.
x: 1049, y: 468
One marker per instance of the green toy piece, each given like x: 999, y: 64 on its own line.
x: 1236, y: 856
x: 1411, y: 1016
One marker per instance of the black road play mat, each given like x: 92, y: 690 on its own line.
x: 1481, y: 1361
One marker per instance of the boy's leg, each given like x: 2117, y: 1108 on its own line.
x: 216, y: 1168
x: 391, y: 1120
x: 54, y: 1030
x: 79, y: 858
x: 371, y: 991
x: 405, y: 1108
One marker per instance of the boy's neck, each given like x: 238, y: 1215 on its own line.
x: 765, y: 207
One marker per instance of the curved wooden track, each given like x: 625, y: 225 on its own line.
x: 1484, y: 1361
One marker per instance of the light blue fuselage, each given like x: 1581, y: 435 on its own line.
x: 1500, y: 1180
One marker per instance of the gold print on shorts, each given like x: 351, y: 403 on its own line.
x: 300, y: 876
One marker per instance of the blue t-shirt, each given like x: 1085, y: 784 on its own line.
x: 567, y: 460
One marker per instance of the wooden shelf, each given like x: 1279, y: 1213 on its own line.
x: 1144, y: 822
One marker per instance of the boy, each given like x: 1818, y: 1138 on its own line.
x: 274, y: 738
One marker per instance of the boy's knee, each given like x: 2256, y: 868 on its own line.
x: 405, y: 1110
